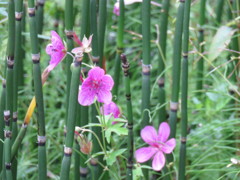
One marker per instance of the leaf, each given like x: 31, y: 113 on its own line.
x: 220, y: 42
x: 112, y: 156
x: 116, y: 128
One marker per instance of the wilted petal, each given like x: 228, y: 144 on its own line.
x: 169, y: 146
x: 149, y: 134
x: 104, y: 96
x: 158, y: 161
x: 96, y: 73
x: 144, y: 154
x: 77, y: 50
x: 107, y: 82
x: 163, y: 132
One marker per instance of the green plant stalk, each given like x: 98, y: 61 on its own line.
x: 2, y: 107
x: 85, y: 18
x: 184, y: 94
x: 125, y: 67
x: 69, y: 21
x: 71, y: 120
x: 219, y: 11
x: 40, y: 15
x: 161, y: 65
x: 102, y: 28
x: 177, y: 49
x: 146, y: 66
x: 7, y: 145
x: 18, y: 46
x: 18, y: 141
x: 200, y: 64
x: 77, y: 147
x: 42, y: 166
x: 120, y: 46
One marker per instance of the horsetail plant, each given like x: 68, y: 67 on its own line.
x: 69, y: 21
x: 71, y: 119
x: 162, y: 58
x: 2, y: 107
x: 200, y: 64
x: 146, y: 64
x: 177, y: 49
x: 40, y: 15
x: 184, y: 94
x: 42, y: 168
x: 18, y: 43
x: 120, y: 34
x: 125, y: 67
x: 102, y: 28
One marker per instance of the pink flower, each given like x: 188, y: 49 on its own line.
x: 159, y: 144
x: 96, y: 85
x: 111, y: 108
x: 85, y: 45
x: 56, y: 50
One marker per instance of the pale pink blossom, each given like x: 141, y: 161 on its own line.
x: 159, y: 145
x: 111, y: 108
x: 85, y: 45
x: 96, y: 86
x: 56, y: 50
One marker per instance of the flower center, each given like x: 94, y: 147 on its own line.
x: 95, y: 84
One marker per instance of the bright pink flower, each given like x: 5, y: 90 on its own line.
x: 96, y: 85
x: 56, y: 50
x: 159, y: 144
x: 111, y: 108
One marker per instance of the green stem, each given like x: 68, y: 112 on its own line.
x: 125, y: 67
x: 200, y: 64
x: 102, y: 28
x: 85, y: 18
x: 161, y: 65
x: 40, y: 14
x: 2, y: 107
x: 42, y: 166
x: 184, y: 107
x: 120, y: 46
x: 177, y: 49
x: 219, y: 11
x: 71, y: 120
x: 77, y: 147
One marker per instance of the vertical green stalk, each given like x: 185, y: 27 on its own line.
x: 18, y: 46
x: 120, y: 46
x: 7, y: 144
x: 219, y: 11
x: 200, y: 64
x: 2, y: 107
x: 85, y: 18
x: 69, y: 21
x: 77, y: 147
x: 146, y: 64
x: 177, y: 49
x: 184, y: 107
x: 42, y: 167
x: 161, y: 65
x: 71, y: 119
x: 40, y: 14
x: 102, y: 28
x: 125, y: 67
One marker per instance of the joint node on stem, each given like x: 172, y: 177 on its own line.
x: 8, y: 166
x: 161, y: 82
x: 41, y: 140
x: 146, y: 68
x: 69, y: 34
x: 93, y: 161
x: 18, y: 16
x: 7, y: 134
x: 31, y: 11
x: 40, y: 2
x: 67, y: 151
x: 10, y: 62
x: 183, y: 140
x: 15, y: 116
x: 128, y: 96
x: 35, y: 58
x: 174, y: 106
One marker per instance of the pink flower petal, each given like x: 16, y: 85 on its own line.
x: 107, y: 82
x: 144, y: 154
x: 111, y: 108
x: 49, y: 49
x: 169, y: 146
x: 96, y: 73
x: 149, y: 134
x: 158, y: 161
x: 56, y: 40
x: 163, y: 132
x: 104, y: 96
